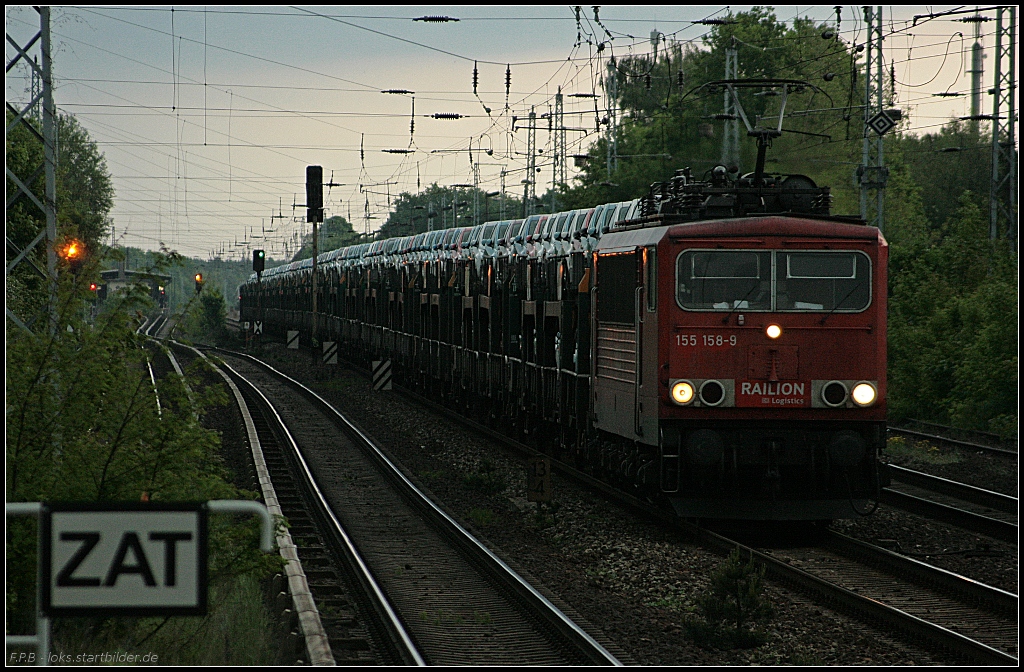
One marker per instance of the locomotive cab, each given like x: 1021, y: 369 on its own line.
x: 742, y: 378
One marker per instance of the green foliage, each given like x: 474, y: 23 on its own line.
x: 944, y: 175
x: 953, y: 326
x: 234, y: 632
x: 204, y: 318
x: 482, y: 517
x: 84, y: 199
x: 486, y: 479
x: 333, y: 233
x: 733, y: 612
x: 85, y: 194
x: 920, y: 452
x: 83, y: 425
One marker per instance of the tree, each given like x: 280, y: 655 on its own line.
x: 946, y: 164
x: 333, y: 233
x: 953, y: 326
x: 84, y: 197
x: 665, y: 126
x: 85, y: 194
x: 734, y: 611
x: 205, y: 319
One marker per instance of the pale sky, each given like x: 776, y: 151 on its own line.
x: 208, y: 117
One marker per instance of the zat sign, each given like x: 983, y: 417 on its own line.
x: 127, y: 559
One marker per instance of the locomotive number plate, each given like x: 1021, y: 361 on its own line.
x: 705, y: 340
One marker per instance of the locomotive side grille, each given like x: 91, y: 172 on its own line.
x: 616, y: 353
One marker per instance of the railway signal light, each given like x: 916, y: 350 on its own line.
x: 74, y: 254
x: 314, y: 194
x: 258, y: 260
x: 199, y: 282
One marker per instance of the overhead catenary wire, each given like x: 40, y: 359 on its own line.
x: 187, y: 151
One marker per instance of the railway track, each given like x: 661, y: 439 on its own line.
x: 955, y: 438
x: 983, y: 511
x: 460, y: 603
x: 922, y: 603
x: 350, y: 622
x: 945, y: 612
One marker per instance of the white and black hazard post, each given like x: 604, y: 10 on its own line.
x: 330, y: 352
x: 382, y: 375
x: 127, y: 559
x: 293, y: 340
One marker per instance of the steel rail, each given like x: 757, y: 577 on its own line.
x: 387, y: 617
x: 998, y: 529
x: 497, y: 569
x: 967, y: 493
x: 988, y: 597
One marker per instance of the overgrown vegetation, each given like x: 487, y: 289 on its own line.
x: 920, y: 452
x: 734, y: 611
x: 485, y: 479
x: 83, y: 425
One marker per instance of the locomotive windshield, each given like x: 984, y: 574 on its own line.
x: 724, y: 280
x: 837, y: 281
x: 755, y: 280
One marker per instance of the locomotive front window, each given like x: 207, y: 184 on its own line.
x: 754, y: 280
x: 826, y: 281
x: 724, y: 280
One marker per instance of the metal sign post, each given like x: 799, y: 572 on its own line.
x: 128, y: 559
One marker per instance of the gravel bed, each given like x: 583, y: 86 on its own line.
x: 979, y: 557
x: 978, y: 468
x: 634, y: 579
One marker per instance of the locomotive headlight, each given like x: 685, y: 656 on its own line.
x: 773, y: 331
x: 682, y: 392
x: 864, y: 394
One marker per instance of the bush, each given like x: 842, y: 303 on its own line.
x: 732, y: 613
x: 82, y: 425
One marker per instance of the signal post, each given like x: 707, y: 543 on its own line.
x: 314, y: 215
x: 259, y: 260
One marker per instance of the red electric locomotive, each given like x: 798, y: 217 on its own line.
x: 746, y: 353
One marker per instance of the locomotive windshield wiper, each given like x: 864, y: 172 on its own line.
x: 736, y: 304
x: 841, y: 302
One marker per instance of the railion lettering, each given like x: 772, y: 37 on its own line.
x: 773, y: 389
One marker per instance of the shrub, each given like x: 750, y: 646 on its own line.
x: 733, y: 612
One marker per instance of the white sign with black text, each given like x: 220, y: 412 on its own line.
x: 129, y: 559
